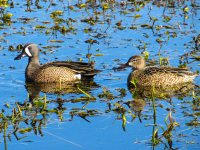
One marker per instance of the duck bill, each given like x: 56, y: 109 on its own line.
x: 122, y: 67
x: 20, y: 56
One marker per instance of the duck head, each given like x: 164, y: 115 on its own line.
x: 30, y: 50
x: 136, y: 62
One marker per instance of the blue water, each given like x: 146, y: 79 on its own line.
x: 104, y: 131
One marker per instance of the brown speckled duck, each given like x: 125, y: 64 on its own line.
x: 60, y: 71
x: 156, y: 76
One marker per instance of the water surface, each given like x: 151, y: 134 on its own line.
x: 118, y: 31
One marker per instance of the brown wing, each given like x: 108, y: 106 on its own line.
x: 168, y: 70
x: 86, y: 69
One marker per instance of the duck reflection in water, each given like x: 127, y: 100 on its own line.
x: 85, y: 87
x: 34, y: 89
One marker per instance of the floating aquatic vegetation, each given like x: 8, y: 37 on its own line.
x: 106, y: 94
x: 159, y: 30
x: 133, y: 27
x: 91, y: 20
x: 137, y: 16
x: 166, y: 18
x: 4, y: 3
x: 57, y: 41
x: 40, y: 27
x: 80, y: 6
x: 99, y: 54
x: 6, y: 18
x: 56, y: 14
x: 91, y: 41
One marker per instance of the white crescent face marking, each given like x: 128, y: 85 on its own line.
x: 28, y: 52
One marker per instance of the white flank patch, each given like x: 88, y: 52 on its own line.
x: 77, y: 76
x: 27, y: 51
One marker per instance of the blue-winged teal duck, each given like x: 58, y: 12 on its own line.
x: 60, y: 71
x: 156, y: 76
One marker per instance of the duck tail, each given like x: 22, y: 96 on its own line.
x: 91, y: 73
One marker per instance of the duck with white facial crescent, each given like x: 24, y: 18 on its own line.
x: 59, y: 71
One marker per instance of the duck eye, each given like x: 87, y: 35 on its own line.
x: 134, y: 60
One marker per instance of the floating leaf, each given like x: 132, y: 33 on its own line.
x: 4, y: 3
x: 52, y: 111
x: 106, y: 94
x: 99, y: 54
x: 159, y: 40
x: 174, y: 34
x: 133, y: 27
x: 25, y: 130
x: 122, y: 92
x: 146, y: 54
x: 19, y: 47
x: 146, y: 35
x: 155, y: 19
x: 38, y: 103
x: 71, y: 7
x: 166, y: 19
x: 91, y: 41
x: 168, y: 27
x: 90, y: 20
x: 158, y: 27
x: 105, y: 6
x: 11, y: 48
x: 195, y: 57
x: 7, y: 105
x: 57, y: 41
x: 125, y: 12
x: 137, y: 16
x: 137, y: 9
x: 186, y: 16
x: 121, y: 27
x: 185, y: 9
x: 46, y: 22
x: 81, y: 5
x: 40, y: 27
x: 119, y: 23
x: 146, y: 26
x: 7, y: 17
x: 64, y: 29
x: 56, y: 13
x: 164, y: 61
